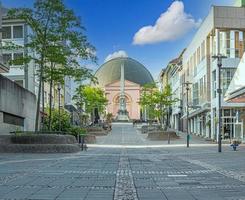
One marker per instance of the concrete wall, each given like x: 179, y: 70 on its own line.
x: 17, y: 101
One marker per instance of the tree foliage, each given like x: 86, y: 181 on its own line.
x: 155, y: 101
x: 64, y: 119
x: 57, y: 42
x: 90, y: 98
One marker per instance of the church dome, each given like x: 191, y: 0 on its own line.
x: 135, y: 72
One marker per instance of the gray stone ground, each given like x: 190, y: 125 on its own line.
x: 124, y: 165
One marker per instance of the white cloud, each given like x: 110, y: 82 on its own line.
x: 116, y: 54
x: 171, y: 25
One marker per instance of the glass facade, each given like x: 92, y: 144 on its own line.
x: 7, y: 57
x: 214, y: 84
x: 195, y: 94
x: 17, y: 31
x: 10, y: 32
x: 6, y: 32
x: 226, y: 77
x: 231, y: 43
x: 232, y: 124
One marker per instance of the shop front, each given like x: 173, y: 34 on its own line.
x: 233, y: 121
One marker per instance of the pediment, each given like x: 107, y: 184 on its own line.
x: 127, y: 84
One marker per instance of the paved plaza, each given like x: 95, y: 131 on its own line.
x: 124, y: 165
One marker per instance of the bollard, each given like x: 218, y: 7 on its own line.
x: 79, y: 139
x: 168, y: 138
x: 83, y: 144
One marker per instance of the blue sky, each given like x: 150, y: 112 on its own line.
x: 112, y: 24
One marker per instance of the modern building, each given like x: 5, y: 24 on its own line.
x: 175, y: 82
x: 136, y: 75
x: 3, y: 68
x: 222, y: 32
x: 16, y: 31
x: 16, y: 103
x: 236, y: 89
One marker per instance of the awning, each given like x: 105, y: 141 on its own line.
x: 236, y: 89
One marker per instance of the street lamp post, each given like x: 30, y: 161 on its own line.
x: 59, y: 88
x: 187, y: 84
x: 219, y: 58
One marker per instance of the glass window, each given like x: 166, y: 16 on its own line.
x: 214, y: 83
x: 18, y: 58
x: 198, y: 55
x: 195, y: 58
x: 227, y: 112
x: 195, y: 94
x: 18, y: 32
x: 13, y: 119
x: 6, y: 32
x: 7, y: 57
x: 203, y: 50
x: 19, y: 82
x: 226, y: 77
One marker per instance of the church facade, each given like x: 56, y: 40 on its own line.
x: 135, y: 75
x: 132, y: 96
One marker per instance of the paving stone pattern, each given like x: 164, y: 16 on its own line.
x: 175, y: 173
x: 125, y: 189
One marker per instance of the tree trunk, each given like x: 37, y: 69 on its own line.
x: 39, y: 98
x: 50, y: 98
x: 43, y: 104
x: 50, y: 104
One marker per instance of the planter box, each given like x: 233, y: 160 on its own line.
x: 43, y: 139
x: 162, y: 135
x: 39, y: 148
x: 40, y: 143
x: 90, y: 139
x: 146, y: 128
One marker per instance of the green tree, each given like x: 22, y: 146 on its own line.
x: 58, y: 40
x: 63, y: 63
x: 91, y: 98
x: 148, y: 99
x: 155, y: 101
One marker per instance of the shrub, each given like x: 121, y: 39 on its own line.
x: 75, y: 130
x: 64, y: 119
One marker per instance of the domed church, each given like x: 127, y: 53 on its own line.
x: 135, y: 75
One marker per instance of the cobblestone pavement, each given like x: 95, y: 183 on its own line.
x: 174, y: 173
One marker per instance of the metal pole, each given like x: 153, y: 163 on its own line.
x: 59, y: 88
x: 187, y: 118
x: 219, y: 91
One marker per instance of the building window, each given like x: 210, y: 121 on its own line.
x: 203, y: 50
x: 195, y: 70
x: 188, y: 66
x: 17, y: 31
x: 6, y: 32
x: 201, y: 89
x: 214, y: 84
x: 204, y: 87
x: 232, y: 43
x: 7, y: 57
x: 226, y: 77
x: 19, y: 82
x: 18, y: 58
x: 13, y: 119
x: 195, y: 94
x: 198, y: 55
